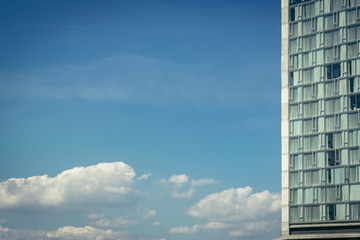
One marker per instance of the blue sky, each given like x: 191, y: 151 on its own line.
x: 139, y: 120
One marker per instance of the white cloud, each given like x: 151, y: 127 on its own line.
x: 145, y: 176
x: 203, y: 181
x: 117, y: 222
x: 64, y: 233
x: 156, y: 224
x: 101, y: 185
x: 149, y: 214
x: 179, y: 181
x: 237, y: 205
x: 216, y: 225
x: 87, y: 232
x: 187, y: 194
x: 3, y: 220
x: 185, y: 230
x: 239, y: 211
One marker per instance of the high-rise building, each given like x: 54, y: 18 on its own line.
x: 320, y: 119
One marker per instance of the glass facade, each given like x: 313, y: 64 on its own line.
x: 324, y: 110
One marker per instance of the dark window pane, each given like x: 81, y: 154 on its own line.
x: 336, y: 70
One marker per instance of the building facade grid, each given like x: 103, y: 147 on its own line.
x: 320, y: 112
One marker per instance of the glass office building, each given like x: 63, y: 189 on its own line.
x: 320, y: 119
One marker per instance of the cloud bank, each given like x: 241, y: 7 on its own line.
x: 239, y: 211
x: 63, y: 233
x: 101, y: 185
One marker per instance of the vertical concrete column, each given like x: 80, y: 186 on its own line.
x: 285, y: 117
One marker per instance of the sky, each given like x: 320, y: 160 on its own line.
x: 140, y: 120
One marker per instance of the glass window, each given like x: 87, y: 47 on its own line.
x: 355, y: 211
x: 351, y: 70
x: 354, y: 156
x: 351, y: 34
x: 293, y: 46
x: 311, y: 109
x: 355, y: 192
x: 311, y: 213
x: 294, y: 214
x: 353, y: 120
x: 294, y: 179
x: 354, y: 101
x: 306, y: 26
x: 332, y: 105
x: 333, y: 70
x: 329, y: 22
x: 294, y: 145
x: 292, y: 14
x: 351, y: 17
x: 308, y: 76
x: 352, y: 50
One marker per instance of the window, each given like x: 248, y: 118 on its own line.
x: 333, y: 158
x: 314, y: 158
x: 351, y: 67
x: 331, y: 212
x: 343, y: 3
x: 351, y: 17
x: 336, y: 18
x: 314, y: 124
x: 351, y: 85
x: 351, y: 33
x: 336, y: 86
x: 333, y: 71
x: 336, y: 52
x: 292, y: 14
x: 329, y: 137
x: 313, y: 23
x: 352, y: 174
x: 352, y: 50
x: 355, y: 211
x: 337, y: 120
x: 337, y: 157
x: 338, y: 192
x: 306, y: 11
x: 350, y: 3
x: 306, y: 27
x: 355, y: 102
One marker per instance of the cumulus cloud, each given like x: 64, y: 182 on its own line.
x: 64, y: 233
x: 239, y: 211
x: 179, y: 181
x: 237, y: 204
x: 101, y: 185
x: 145, y: 176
